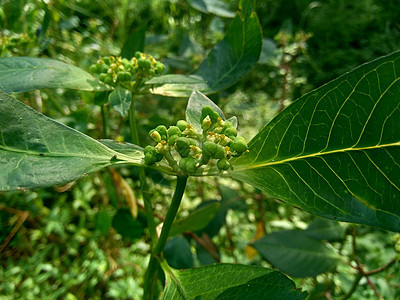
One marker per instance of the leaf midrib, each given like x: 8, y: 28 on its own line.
x: 317, y: 154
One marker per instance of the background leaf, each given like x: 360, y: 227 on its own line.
x: 335, y: 151
x: 323, y: 229
x: 36, y: 151
x: 216, y: 7
x: 178, y: 254
x: 227, y: 62
x: 21, y: 74
x: 120, y: 100
x: 135, y: 42
x: 211, y: 282
x: 197, y: 220
x: 296, y: 254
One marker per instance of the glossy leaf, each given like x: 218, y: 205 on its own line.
x: 120, y: 100
x: 335, y: 152
x: 21, y: 74
x: 216, y: 282
x: 296, y: 254
x: 197, y: 220
x: 216, y: 7
x: 36, y: 151
x: 227, y: 62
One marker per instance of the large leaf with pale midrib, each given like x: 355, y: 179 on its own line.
x: 36, y: 151
x: 335, y: 152
x: 230, y: 281
x: 227, y: 62
x: 20, y: 74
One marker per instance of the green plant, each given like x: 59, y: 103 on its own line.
x: 333, y: 153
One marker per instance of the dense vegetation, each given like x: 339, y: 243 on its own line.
x: 90, y: 239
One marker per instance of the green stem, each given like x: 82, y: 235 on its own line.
x: 173, y: 209
x: 104, y: 121
x: 156, y: 257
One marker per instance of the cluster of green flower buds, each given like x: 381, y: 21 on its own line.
x: 121, y: 71
x: 187, y: 150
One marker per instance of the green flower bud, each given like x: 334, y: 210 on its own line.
x: 181, y: 124
x: 108, y: 79
x: 188, y: 165
x: 206, y: 123
x: 238, y: 145
x: 162, y: 130
x: 149, y: 149
x: 213, y: 150
x: 104, y: 68
x: 172, y: 139
x: 144, y: 63
x: 155, y: 135
x: 182, y: 145
x: 138, y: 54
x: 94, y: 69
x: 208, y: 111
x: 223, y: 164
x: 152, y: 73
x: 230, y: 132
x: 174, y: 130
x: 102, y: 76
x: 124, y: 76
x: 159, y: 67
x: 107, y: 60
x: 149, y: 159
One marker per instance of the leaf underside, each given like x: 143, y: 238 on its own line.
x: 36, y: 151
x: 335, y: 152
x: 21, y: 74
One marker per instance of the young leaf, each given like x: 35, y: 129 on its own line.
x: 335, y: 151
x: 120, y: 100
x: 296, y: 254
x: 227, y: 62
x: 230, y: 281
x: 21, y: 74
x: 36, y: 151
x: 193, y: 110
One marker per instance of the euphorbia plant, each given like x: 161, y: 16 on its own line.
x: 334, y: 152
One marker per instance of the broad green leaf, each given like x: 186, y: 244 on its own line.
x: 335, y: 152
x: 178, y: 254
x: 270, y: 286
x: 227, y: 62
x: 296, y: 254
x: 36, y: 151
x: 323, y: 229
x: 216, y: 7
x: 214, y: 281
x: 120, y: 100
x: 122, y: 147
x: 21, y: 74
x: 196, y: 220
